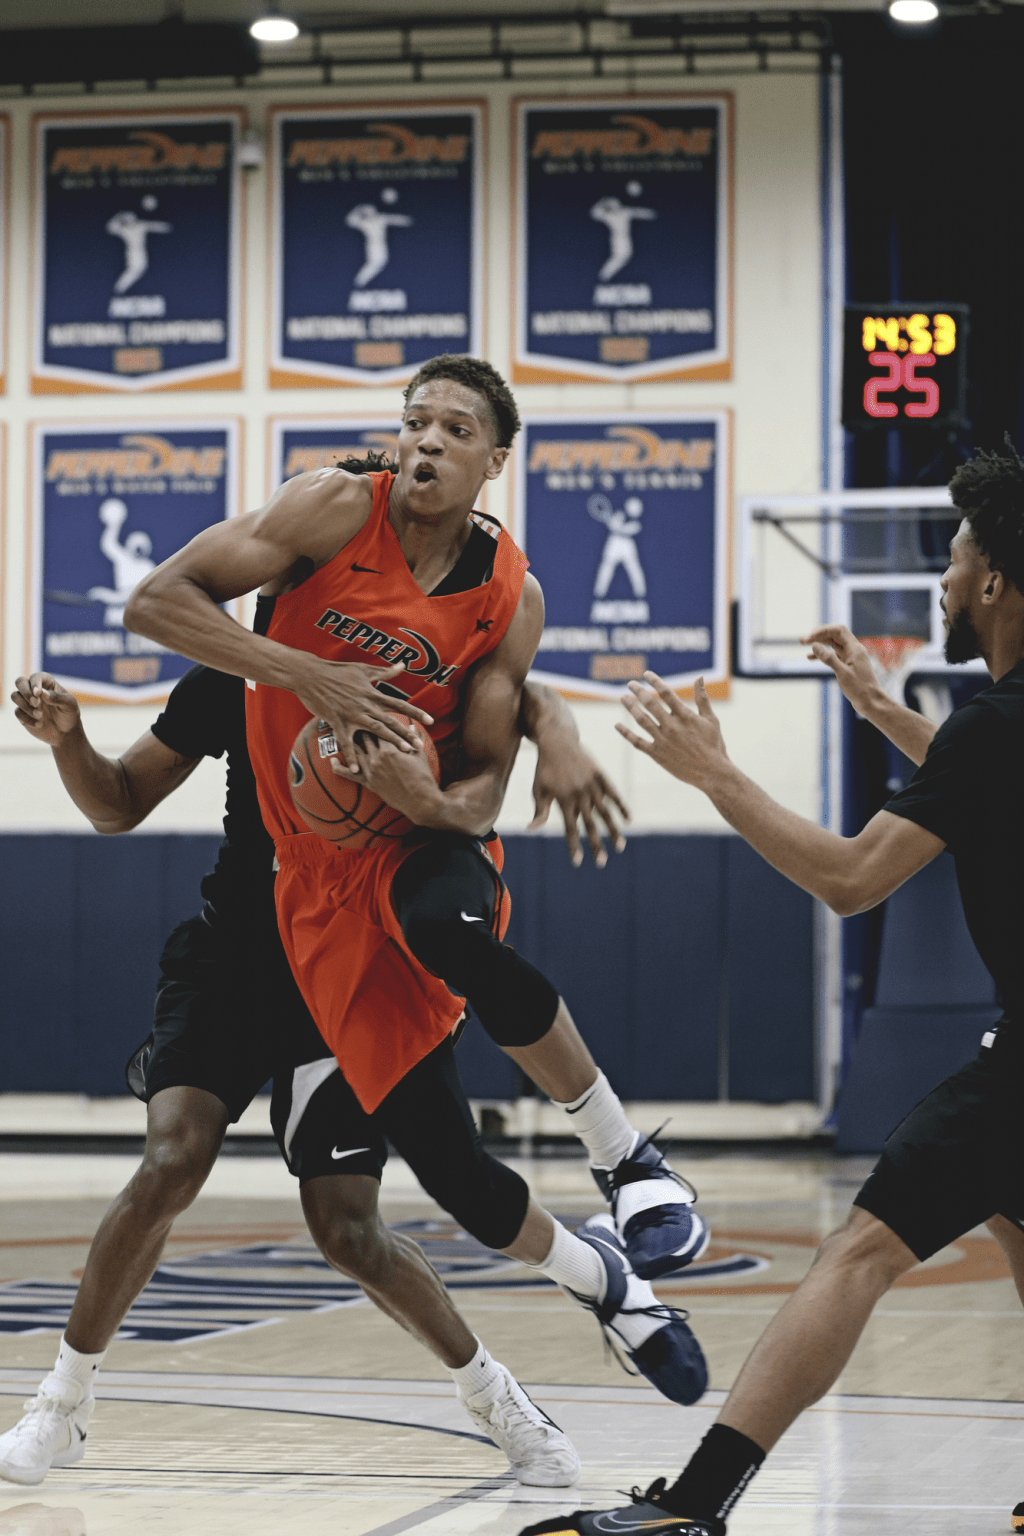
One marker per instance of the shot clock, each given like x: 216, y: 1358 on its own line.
x: 904, y: 364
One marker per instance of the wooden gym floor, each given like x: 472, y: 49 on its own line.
x: 255, y: 1392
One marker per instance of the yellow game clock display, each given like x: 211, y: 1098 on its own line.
x: 905, y: 365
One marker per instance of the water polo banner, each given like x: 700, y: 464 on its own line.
x: 623, y: 239
x: 299, y: 446
x: 625, y: 522
x: 137, y: 253
x: 109, y: 504
x: 378, y: 259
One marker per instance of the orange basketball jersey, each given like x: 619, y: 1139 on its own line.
x: 377, y: 1008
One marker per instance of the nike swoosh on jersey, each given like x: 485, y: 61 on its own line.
x: 367, y: 570
x: 336, y: 1155
x: 467, y: 919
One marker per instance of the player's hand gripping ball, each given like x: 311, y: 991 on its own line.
x: 345, y: 812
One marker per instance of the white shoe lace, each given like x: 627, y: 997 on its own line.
x: 38, y: 1423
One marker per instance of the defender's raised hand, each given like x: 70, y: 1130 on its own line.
x: 839, y: 648
x: 569, y: 775
x: 44, y: 708
x: 687, y: 743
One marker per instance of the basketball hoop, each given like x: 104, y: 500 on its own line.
x: 893, y: 658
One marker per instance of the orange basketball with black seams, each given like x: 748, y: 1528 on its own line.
x: 343, y: 811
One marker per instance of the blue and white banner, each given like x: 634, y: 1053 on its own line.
x: 109, y: 504
x: 623, y: 239
x: 625, y: 522
x: 298, y: 446
x: 5, y: 202
x: 137, y: 252
x: 378, y: 241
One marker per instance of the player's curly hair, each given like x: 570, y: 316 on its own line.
x: 479, y: 376
x: 371, y: 463
x: 989, y: 491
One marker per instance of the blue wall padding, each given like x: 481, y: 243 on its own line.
x: 679, y: 939
x: 927, y: 954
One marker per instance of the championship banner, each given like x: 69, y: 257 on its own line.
x: 109, y: 503
x: 298, y: 446
x: 625, y: 522
x: 5, y: 197
x: 137, y: 253
x: 623, y: 239
x: 378, y: 259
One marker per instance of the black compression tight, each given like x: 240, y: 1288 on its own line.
x: 445, y: 895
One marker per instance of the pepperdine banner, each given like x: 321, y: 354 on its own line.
x: 137, y: 252
x: 623, y: 239
x: 5, y: 197
x: 109, y: 504
x: 377, y: 228
x: 625, y: 522
x: 299, y: 446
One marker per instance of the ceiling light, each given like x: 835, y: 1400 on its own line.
x: 913, y: 11
x: 280, y: 29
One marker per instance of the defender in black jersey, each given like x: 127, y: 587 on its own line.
x: 228, y: 1016
x: 955, y: 1160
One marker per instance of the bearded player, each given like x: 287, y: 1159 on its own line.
x: 384, y: 596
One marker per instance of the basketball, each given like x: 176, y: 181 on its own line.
x: 343, y: 811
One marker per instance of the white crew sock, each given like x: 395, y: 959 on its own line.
x: 574, y: 1264
x: 478, y: 1374
x: 71, y: 1366
x: 600, y: 1122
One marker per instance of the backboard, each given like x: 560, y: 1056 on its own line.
x: 869, y: 559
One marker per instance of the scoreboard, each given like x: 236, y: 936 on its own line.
x: 904, y: 364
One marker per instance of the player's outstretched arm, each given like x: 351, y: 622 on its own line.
x: 839, y: 649
x: 302, y: 527
x: 115, y: 794
x: 490, y: 738
x: 566, y: 772
x: 849, y: 874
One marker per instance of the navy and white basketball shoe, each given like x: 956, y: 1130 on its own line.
x: 654, y: 1337
x: 653, y: 1210
x: 646, y: 1516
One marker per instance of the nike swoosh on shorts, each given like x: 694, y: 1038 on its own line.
x: 467, y: 919
x: 336, y: 1155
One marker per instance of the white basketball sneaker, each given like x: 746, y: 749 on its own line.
x: 50, y: 1434
x: 539, y: 1453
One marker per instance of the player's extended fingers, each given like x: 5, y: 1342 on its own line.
x: 542, y: 803
x: 671, y: 701
x: 831, y: 634
x: 609, y: 792
x: 650, y: 700
x: 826, y: 654
x: 700, y: 698
x: 383, y: 674
x: 593, y: 836
x: 388, y: 730
x: 635, y: 740
x: 606, y: 814
x: 572, y: 833
x: 348, y: 752
x: 640, y: 714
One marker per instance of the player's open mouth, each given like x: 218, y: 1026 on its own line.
x: 425, y: 474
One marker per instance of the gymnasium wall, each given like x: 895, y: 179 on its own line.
x: 774, y: 395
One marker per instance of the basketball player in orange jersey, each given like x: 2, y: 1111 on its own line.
x: 386, y: 943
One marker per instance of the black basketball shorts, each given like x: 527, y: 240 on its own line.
x: 227, y: 1018
x: 955, y: 1160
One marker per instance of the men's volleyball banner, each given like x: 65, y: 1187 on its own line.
x: 109, y: 504
x: 137, y: 253
x: 625, y: 523
x: 623, y: 239
x: 299, y: 446
x: 377, y: 224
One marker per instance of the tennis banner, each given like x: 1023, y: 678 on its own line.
x: 110, y: 503
x: 623, y: 239
x: 137, y: 252
x: 625, y: 520
x: 378, y: 261
x: 298, y: 446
